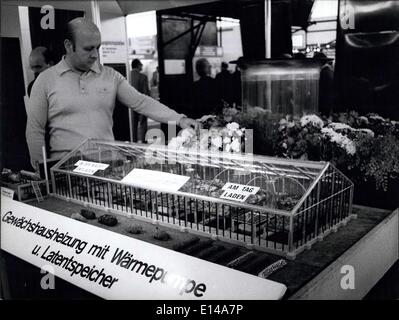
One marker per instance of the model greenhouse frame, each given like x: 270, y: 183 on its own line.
x: 297, y: 203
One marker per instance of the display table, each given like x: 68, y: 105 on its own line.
x: 369, y: 244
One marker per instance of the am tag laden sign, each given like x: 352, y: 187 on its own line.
x: 238, y: 192
x: 113, y: 266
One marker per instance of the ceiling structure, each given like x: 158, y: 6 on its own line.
x: 137, y: 6
x: 301, y: 9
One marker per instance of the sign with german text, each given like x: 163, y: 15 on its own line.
x: 114, y: 266
x: 113, y: 51
x: 238, y: 192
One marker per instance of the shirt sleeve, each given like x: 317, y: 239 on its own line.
x: 145, y: 105
x: 36, y: 119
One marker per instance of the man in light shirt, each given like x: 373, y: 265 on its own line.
x: 76, y: 97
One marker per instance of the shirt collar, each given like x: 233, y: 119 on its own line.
x: 96, y: 67
x: 63, y: 67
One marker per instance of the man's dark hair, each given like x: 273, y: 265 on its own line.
x: 224, y: 65
x: 200, y: 67
x: 136, y: 63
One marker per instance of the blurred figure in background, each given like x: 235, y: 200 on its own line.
x: 205, y: 97
x: 40, y: 59
x: 155, y: 78
x: 224, y: 84
x: 236, y: 81
x: 326, y: 84
x: 155, y: 84
x: 140, y: 83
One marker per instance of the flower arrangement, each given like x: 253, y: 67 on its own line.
x: 366, y: 146
x: 216, y: 135
x: 341, y: 140
x: 312, y: 120
x: 377, y: 149
x: 298, y: 138
x: 378, y: 159
x: 261, y: 121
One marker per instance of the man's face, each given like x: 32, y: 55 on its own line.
x: 38, y: 64
x: 87, y: 44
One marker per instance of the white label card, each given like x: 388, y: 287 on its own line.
x: 92, y: 165
x: 235, y: 196
x: 156, y: 180
x: 9, y: 193
x: 240, y: 188
x: 238, y: 192
x: 89, y: 167
x: 85, y: 170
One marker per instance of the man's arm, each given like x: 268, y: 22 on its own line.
x: 149, y: 107
x: 36, y: 119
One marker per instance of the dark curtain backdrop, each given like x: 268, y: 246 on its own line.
x: 121, y: 112
x: 52, y: 39
x: 13, y: 147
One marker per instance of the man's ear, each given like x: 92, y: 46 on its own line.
x: 68, y: 46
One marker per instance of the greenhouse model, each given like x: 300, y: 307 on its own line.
x: 269, y: 204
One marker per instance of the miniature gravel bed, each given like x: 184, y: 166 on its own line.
x: 148, y: 229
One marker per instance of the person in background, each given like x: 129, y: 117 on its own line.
x: 205, y: 97
x: 326, y: 84
x: 140, y: 83
x: 155, y: 78
x: 236, y: 81
x: 155, y: 84
x: 76, y: 97
x: 40, y: 59
x: 224, y: 84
